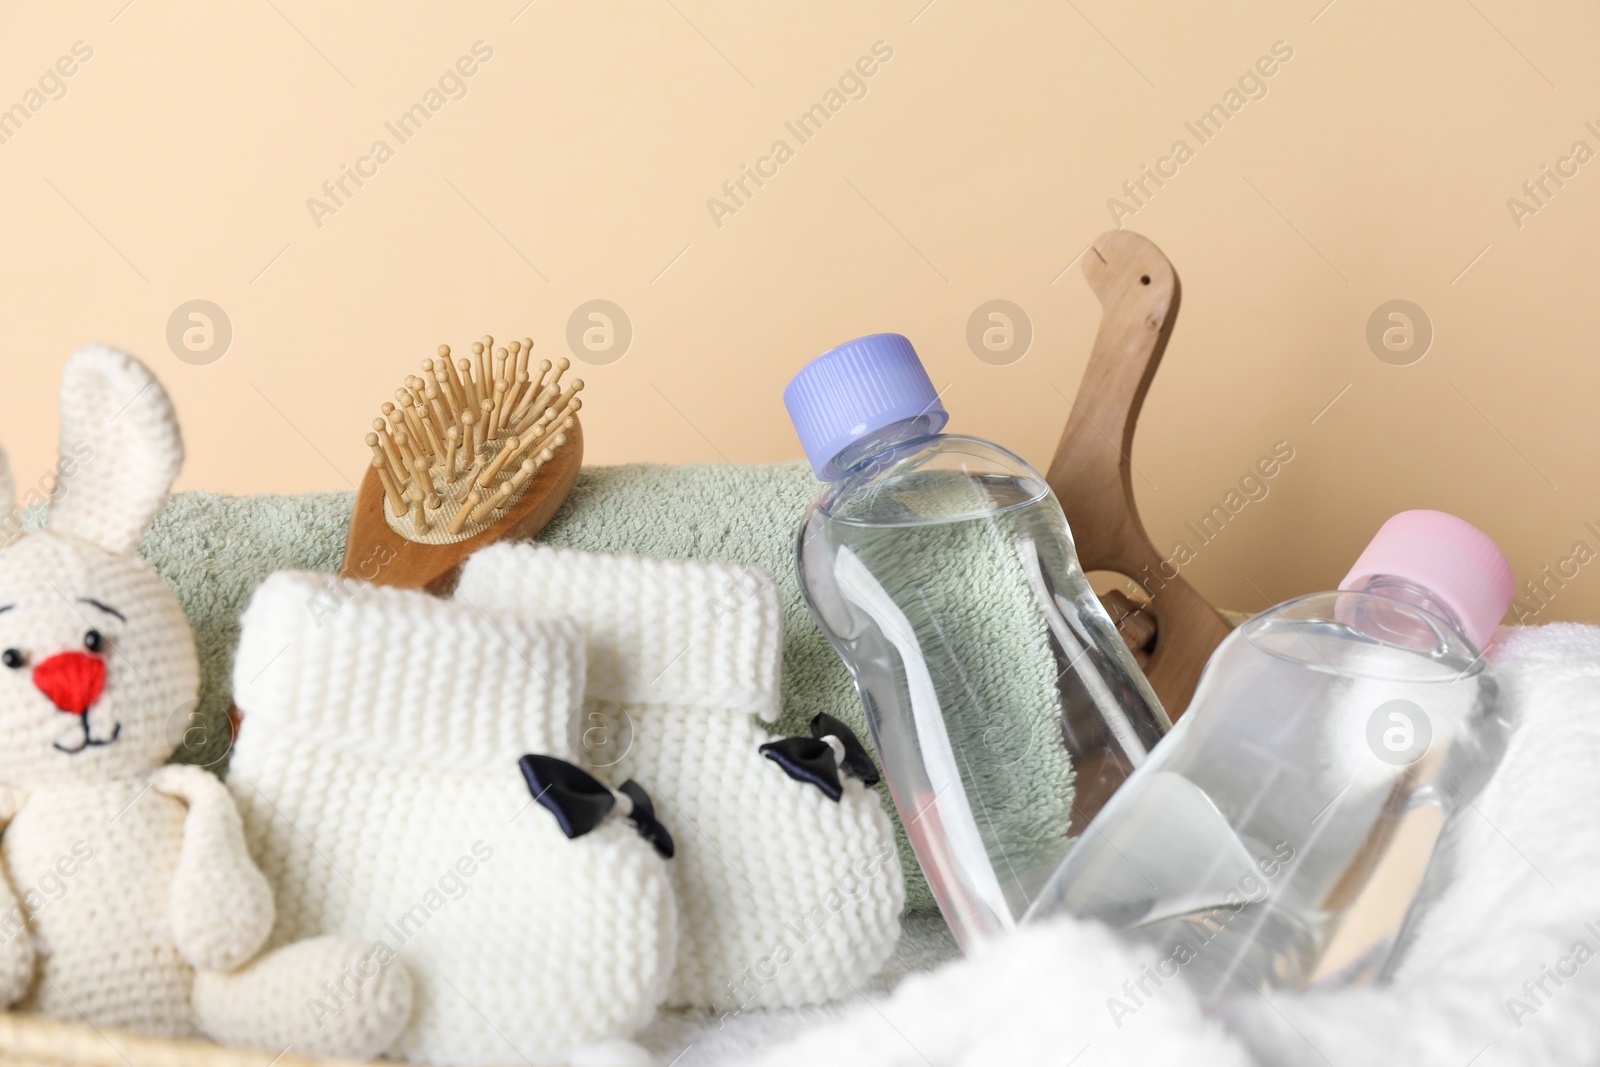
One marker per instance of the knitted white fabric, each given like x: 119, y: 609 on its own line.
x: 274, y: 995
x: 787, y: 898
x: 123, y: 876
x: 118, y: 425
x: 377, y: 769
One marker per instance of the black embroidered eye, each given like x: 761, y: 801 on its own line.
x: 93, y: 641
x: 14, y: 659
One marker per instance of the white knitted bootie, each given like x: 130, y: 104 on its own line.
x: 383, y: 772
x: 788, y: 884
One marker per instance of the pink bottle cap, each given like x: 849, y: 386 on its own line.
x: 1449, y: 557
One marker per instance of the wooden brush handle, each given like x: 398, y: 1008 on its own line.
x: 1092, y: 474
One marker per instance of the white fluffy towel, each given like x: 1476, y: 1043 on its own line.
x: 377, y: 771
x: 786, y: 897
x: 1500, y: 966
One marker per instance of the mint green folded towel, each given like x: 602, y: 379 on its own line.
x: 214, y: 550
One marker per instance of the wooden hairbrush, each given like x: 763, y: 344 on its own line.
x: 470, y: 451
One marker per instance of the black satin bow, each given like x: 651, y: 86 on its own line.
x: 644, y: 819
x: 811, y: 759
x: 580, y: 801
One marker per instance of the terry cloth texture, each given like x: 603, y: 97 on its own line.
x: 214, y: 550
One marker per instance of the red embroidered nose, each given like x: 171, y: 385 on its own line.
x: 71, y: 680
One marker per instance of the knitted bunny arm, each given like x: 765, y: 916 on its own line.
x: 16, y: 940
x: 220, y: 905
x: 11, y: 801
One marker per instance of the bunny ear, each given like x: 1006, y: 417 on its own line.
x: 10, y: 516
x: 120, y: 449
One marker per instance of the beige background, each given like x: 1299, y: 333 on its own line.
x: 178, y: 165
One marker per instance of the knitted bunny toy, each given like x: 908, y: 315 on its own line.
x: 129, y: 897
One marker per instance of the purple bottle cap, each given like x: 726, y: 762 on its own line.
x: 855, y: 390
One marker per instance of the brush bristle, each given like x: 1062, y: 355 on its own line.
x: 463, y: 439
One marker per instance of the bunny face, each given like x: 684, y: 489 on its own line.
x: 96, y: 658
x: 98, y: 667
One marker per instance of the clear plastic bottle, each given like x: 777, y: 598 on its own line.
x: 1277, y: 837
x: 1003, y: 704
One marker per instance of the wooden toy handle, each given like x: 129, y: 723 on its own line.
x: 1092, y: 474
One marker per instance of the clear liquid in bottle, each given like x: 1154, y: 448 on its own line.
x: 1004, y: 707
x: 1277, y: 838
